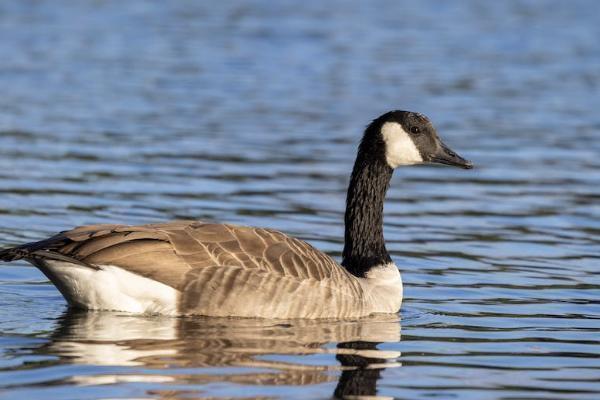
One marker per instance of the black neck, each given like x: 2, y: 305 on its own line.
x: 364, y: 246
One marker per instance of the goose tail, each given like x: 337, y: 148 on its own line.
x: 11, y: 254
x: 36, y: 251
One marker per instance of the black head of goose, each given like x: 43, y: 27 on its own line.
x: 224, y: 270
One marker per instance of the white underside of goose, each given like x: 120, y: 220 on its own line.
x: 111, y: 288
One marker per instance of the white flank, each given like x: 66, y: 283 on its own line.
x: 400, y: 149
x: 111, y: 288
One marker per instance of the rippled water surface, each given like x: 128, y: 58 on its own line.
x: 250, y: 112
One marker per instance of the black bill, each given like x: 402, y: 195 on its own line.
x: 446, y: 156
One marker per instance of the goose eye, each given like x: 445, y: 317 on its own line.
x: 415, y: 129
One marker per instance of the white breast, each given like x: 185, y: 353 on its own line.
x: 382, y: 287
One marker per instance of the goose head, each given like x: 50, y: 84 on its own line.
x: 409, y: 138
x: 396, y: 138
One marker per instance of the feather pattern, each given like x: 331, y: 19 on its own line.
x: 219, y: 269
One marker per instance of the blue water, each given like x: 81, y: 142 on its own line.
x: 250, y: 112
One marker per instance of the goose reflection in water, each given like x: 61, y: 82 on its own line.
x: 245, y: 351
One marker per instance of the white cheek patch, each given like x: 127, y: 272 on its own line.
x: 400, y: 149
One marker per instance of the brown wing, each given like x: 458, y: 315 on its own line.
x: 167, y: 252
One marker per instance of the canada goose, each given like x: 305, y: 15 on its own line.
x: 223, y: 270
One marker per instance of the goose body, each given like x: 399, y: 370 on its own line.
x: 224, y: 270
x: 189, y: 267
